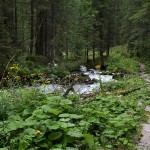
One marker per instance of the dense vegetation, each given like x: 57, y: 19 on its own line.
x: 72, y: 29
x: 33, y: 120
x: 45, y: 42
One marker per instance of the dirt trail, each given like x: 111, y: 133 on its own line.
x: 145, y: 140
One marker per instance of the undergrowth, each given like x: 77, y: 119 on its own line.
x: 120, y: 61
x: 109, y: 120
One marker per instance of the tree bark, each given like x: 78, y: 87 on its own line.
x: 108, y: 39
x: 101, y: 48
x: 87, y: 55
x: 32, y: 27
x: 16, y: 26
x: 53, y: 30
x: 45, y: 34
x: 93, y: 44
x: 93, y: 49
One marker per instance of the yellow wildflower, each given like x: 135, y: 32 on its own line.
x: 47, y: 81
x: 38, y: 132
x: 12, y: 68
x: 97, y: 67
x: 40, y: 74
x: 76, y: 79
x: 44, y: 84
x: 33, y: 74
x: 34, y: 81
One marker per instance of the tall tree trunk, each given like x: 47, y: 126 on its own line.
x: 87, y: 55
x: 40, y: 34
x: 116, y: 22
x: 67, y: 48
x: 108, y: 39
x: 45, y: 33
x: 93, y: 49
x: 16, y: 26
x: 23, y: 31
x: 32, y: 27
x: 53, y: 30
x: 101, y: 48
x: 93, y: 44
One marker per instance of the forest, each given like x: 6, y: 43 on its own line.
x: 74, y: 74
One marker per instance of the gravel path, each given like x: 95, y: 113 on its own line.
x: 145, y: 140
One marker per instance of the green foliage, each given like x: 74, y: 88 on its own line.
x: 61, y: 70
x: 125, y: 84
x: 31, y: 119
x: 119, y: 61
x: 135, y: 27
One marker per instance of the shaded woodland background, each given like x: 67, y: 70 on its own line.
x: 70, y: 29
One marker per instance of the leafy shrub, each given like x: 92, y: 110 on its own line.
x: 119, y: 61
x: 126, y: 83
x: 59, y: 71
x: 34, y: 120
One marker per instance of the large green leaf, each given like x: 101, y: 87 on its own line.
x: 73, y: 116
x: 23, y: 145
x: 26, y: 112
x: 15, y: 118
x: 49, y: 109
x: 88, y: 139
x: 30, y: 121
x: 55, y: 136
x: 64, y: 119
x: 38, y: 112
x: 52, y: 125
x: 64, y: 115
x: 66, y: 124
x: 74, y: 132
x: 15, y: 125
x: 46, y: 108
x: 65, y: 102
x: 93, y: 120
x: 54, y: 100
x: 30, y: 131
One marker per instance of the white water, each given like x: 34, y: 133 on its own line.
x: 81, y: 88
x: 86, y: 88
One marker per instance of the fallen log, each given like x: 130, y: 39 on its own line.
x: 125, y: 92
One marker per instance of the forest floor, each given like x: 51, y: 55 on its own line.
x: 145, y: 140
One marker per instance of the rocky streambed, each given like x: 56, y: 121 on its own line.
x: 92, y: 80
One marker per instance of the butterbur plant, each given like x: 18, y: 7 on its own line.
x: 49, y: 126
x: 39, y: 121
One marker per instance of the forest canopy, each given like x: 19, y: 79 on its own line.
x: 70, y: 29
